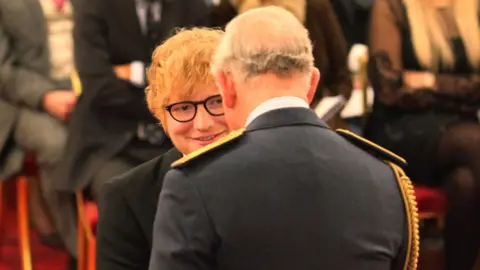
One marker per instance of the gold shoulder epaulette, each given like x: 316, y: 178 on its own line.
x: 410, y: 202
x: 215, y: 145
x: 372, y: 148
x: 76, y: 83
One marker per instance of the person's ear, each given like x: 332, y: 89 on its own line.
x: 227, y: 88
x: 314, y: 80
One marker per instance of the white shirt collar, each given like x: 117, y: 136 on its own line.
x: 276, y: 103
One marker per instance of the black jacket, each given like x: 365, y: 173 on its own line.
x: 126, y: 213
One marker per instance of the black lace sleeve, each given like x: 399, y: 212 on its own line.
x: 385, y: 70
x: 391, y: 90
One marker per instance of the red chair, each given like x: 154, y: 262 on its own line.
x: 431, y: 202
x: 87, y: 225
x: 30, y: 169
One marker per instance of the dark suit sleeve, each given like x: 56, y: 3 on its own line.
x: 400, y: 260
x: 95, y: 67
x: 120, y: 242
x: 183, y: 238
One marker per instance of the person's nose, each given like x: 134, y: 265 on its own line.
x: 203, y: 120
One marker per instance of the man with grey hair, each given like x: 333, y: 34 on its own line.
x: 283, y: 191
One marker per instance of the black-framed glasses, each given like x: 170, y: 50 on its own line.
x: 186, y: 111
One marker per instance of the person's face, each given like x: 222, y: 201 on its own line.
x: 197, y: 121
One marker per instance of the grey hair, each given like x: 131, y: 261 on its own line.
x: 265, y: 40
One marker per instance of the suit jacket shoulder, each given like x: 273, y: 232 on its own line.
x: 142, y: 185
x: 406, y: 189
x: 372, y: 148
x: 127, y: 212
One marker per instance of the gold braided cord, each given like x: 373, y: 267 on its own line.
x: 408, y: 193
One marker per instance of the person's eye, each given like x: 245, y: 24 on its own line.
x: 183, y: 108
x: 215, y: 101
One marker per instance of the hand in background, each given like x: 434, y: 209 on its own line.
x: 123, y: 71
x: 60, y: 103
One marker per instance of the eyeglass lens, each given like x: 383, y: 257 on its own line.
x: 186, y: 111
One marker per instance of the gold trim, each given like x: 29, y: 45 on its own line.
x: 344, y: 131
x: 408, y: 194
x: 231, y: 136
x: 76, y: 83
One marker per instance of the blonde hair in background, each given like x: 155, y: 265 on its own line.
x: 179, y: 66
x: 430, y: 39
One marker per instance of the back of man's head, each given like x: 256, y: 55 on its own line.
x: 265, y: 53
x: 265, y: 40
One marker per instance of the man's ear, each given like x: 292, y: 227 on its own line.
x: 227, y: 88
x: 313, y: 84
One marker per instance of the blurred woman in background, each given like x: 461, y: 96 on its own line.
x: 425, y: 70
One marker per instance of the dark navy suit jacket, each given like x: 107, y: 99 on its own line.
x: 288, y: 194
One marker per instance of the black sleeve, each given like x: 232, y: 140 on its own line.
x: 93, y: 62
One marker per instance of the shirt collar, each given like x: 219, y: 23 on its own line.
x: 276, y: 103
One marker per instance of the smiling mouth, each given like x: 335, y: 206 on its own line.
x: 208, y: 138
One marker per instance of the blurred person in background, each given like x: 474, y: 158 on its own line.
x: 353, y: 17
x: 112, y: 129
x: 185, y: 99
x: 35, y: 97
x: 330, y: 49
x: 425, y: 71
